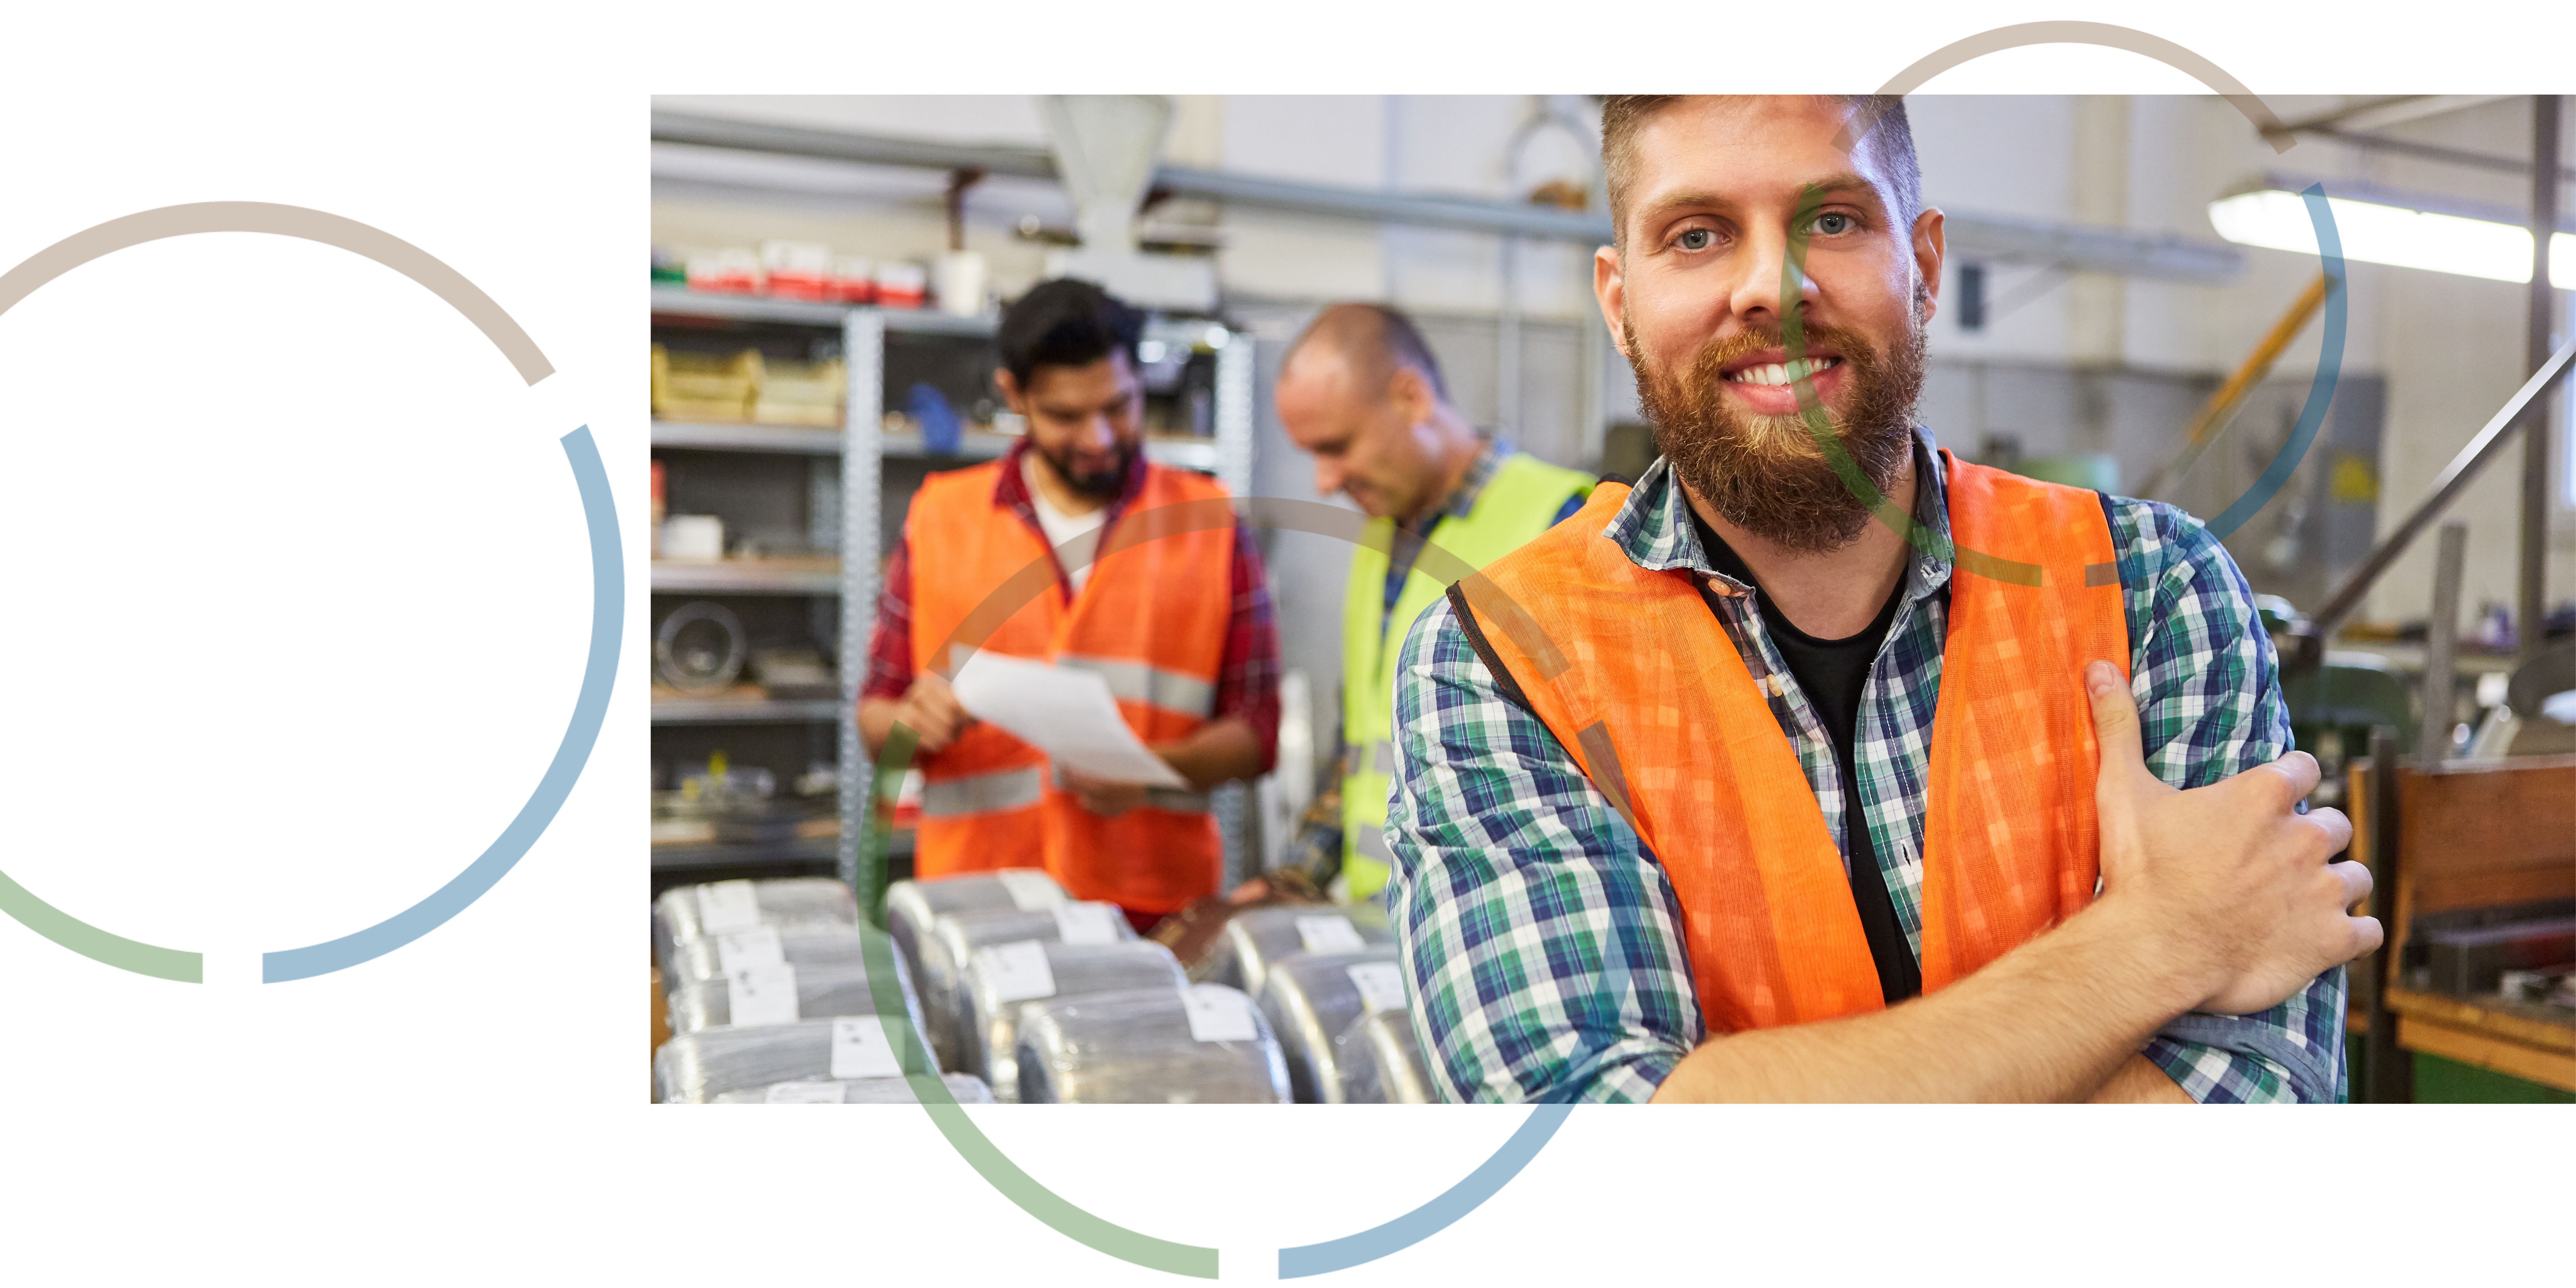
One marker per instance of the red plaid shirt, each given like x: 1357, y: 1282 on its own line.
x: 1247, y: 682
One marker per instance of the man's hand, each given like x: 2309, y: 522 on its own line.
x: 930, y: 709
x: 2226, y: 877
x: 1100, y: 796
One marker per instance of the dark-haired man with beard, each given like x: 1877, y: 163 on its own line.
x: 1178, y: 624
x: 1821, y: 765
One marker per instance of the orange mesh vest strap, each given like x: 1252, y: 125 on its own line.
x: 1151, y: 620
x: 1634, y: 675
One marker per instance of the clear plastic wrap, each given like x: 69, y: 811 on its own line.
x: 998, y: 989
x: 1147, y: 1048
x: 793, y: 906
x: 966, y: 1089
x: 1380, y: 1061
x: 952, y: 942
x: 912, y: 906
x: 695, y: 1068
x: 1256, y: 937
x: 821, y: 993
x: 1309, y: 998
x: 710, y: 959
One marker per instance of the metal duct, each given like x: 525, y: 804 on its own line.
x: 857, y: 1091
x: 821, y: 993
x: 799, y: 905
x: 1310, y: 998
x: 1381, y: 1062
x: 694, y: 1068
x: 911, y: 906
x: 952, y: 944
x: 1256, y: 937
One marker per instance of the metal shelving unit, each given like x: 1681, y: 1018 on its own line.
x: 864, y: 447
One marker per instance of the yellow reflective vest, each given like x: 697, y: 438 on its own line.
x: 1519, y: 501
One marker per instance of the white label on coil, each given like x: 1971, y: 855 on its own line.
x: 1333, y: 934
x: 762, y: 995
x: 860, y: 1049
x: 1085, y: 923
x: 1381, y: 985
x: 727, y: 906
x: 1018, y: 970
x: 750, y: 950
x: 1218, y: 1014
x: 1029, y: 888
x: 803, y: 1093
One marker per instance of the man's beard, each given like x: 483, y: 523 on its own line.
x: 1767, y: 474
x: 1100, y: 485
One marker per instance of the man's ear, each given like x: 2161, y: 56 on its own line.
x: 1410, y: 396
x: 1610, y: 289
x: 1928, y: 253
x: 1011, y: 395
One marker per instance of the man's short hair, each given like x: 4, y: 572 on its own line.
x: 1374, y: 340
x: 1889, y: 138
x: 1065, y: 323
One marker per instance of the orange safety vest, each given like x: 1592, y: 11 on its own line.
x: 1637, y: 679
x: 1151, y: 620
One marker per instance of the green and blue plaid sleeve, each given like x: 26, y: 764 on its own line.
x: 1541, y: 936
x: 2209, y: 696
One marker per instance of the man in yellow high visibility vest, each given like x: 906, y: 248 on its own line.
x: 1361, y: 391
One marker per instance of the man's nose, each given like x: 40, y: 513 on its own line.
x: 1329, y: 477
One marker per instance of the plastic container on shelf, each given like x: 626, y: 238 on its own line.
x: 854, y: 280
x: 911, y: 906
x: 734, y: 270
x: 695, y: 1068
x: 797, y: 270
x: 1199, y: 1044
x: 964, y: 1088
x: 1256, y: 937
x: 801, y: 393
x: 1380, y: 1060
x: 902, y: 284
x: 705, y: 387
x: 1003, y: 979
x: 954, y: 940
x: 1310, y: 998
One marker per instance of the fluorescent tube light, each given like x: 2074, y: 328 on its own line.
x: 2381, y: 234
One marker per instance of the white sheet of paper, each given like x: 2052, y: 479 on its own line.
x: 761, y: 995
x: 1218, y: 1014
x: 1329, y: 934
x: 1086, y: 923
x: 860, y: 1049
x: 1065, y: 713
x: 1018, y: 970
x: 1381, y: 985
x: 727, y: 906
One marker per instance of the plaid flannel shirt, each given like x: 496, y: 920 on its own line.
x: 1542, y: 938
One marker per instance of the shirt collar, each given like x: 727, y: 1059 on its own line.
x: 1462, y: 499
x: 1654, y: 530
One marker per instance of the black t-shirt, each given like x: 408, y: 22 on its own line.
x: 1832, y: 674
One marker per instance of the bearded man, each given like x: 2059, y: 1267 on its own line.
x: 1821, y: 765
x: 1178, y: 624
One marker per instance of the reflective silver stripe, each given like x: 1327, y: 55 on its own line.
x: 981, y: 793
x: 1382, y: 757
x: 1371, y: 843
x: 1176, y: 800
x: 1151, y: 685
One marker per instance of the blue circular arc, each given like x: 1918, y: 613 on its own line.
x: 2321, y: 388
x: 1438, y: 1214
x: 590, y: 710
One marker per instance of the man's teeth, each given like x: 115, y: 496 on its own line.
x: 1781, y: 373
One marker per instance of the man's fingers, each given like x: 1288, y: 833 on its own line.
x: 2296, y: 776
x: 2115, y: 722
x: 2338, y: 829
x: 2357, y: 883
x: 2367, y: 936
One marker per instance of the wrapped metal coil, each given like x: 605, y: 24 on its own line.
x: 1309, y: 998
x: 821, y: 992
x: 1380, y: 1061
x: 1202, y: 1044
x: 710, y: 959
x: 695, y: 1068
x: 856, y: 1091
x: 954, y: 939
x: 798, y: 905
x: 1003, y: 979
x: 911, y: 906
x: 1256, y: 937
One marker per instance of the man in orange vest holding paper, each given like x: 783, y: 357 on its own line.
x: 1822, y: 765
x: 1134, y: 572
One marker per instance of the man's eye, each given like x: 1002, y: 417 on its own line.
x: 1833, y: 225
x: 1695, y: 239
